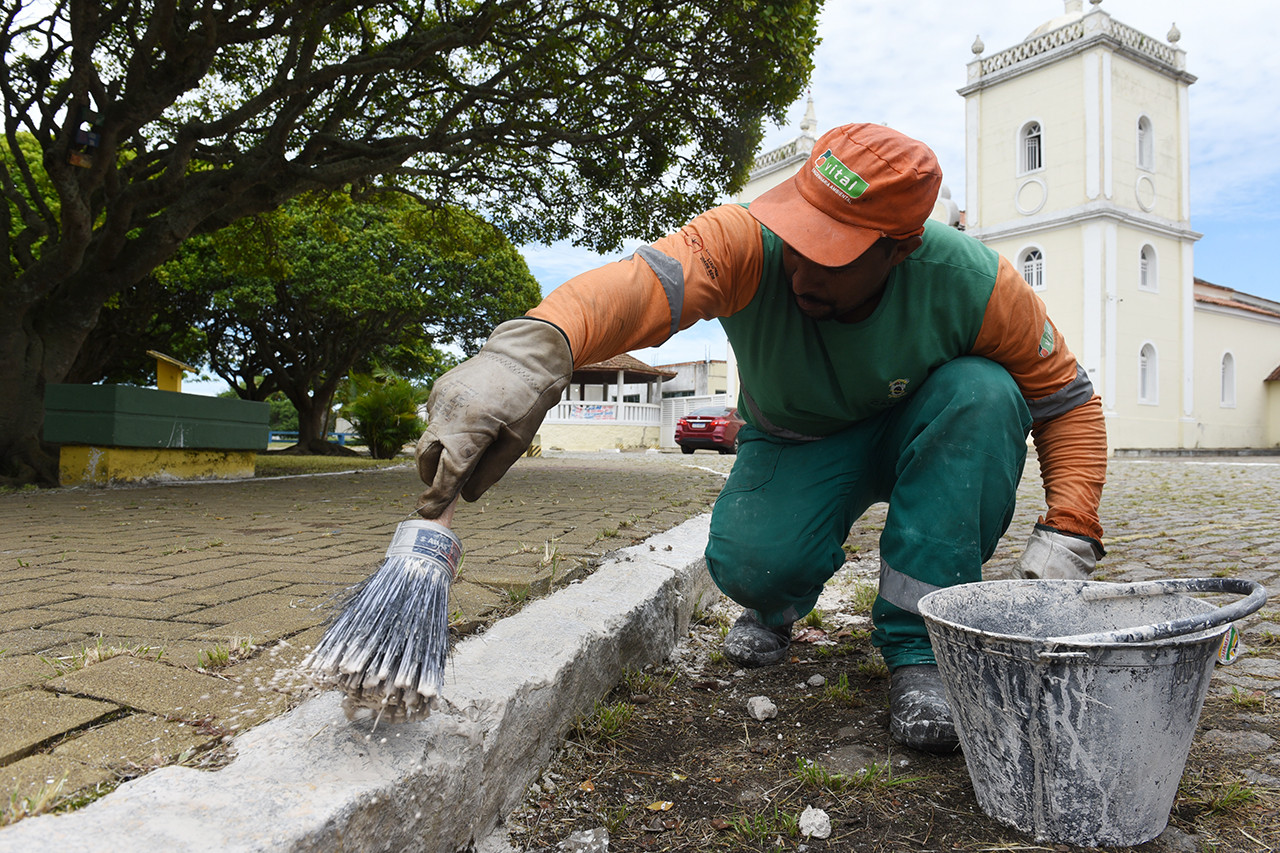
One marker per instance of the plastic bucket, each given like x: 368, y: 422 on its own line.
x: 1076, y: 702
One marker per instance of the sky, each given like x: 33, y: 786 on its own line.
x: 901, y: 65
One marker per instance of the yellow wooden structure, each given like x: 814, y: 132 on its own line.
x: 169, y: 371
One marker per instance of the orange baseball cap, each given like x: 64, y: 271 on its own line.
x: 862, y: 182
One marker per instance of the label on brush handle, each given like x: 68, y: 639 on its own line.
x: 421, y: 538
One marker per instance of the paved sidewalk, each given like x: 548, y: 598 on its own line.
x: 176, y: 575
x: 145, y: 626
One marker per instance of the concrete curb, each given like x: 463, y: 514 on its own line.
x: 311, y: 780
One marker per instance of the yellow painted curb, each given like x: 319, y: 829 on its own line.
x: 83, y: 465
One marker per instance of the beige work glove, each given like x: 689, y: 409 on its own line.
x: 482, y: 415
x: 1051, y: 554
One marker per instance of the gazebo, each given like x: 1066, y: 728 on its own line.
x: 589, y: 420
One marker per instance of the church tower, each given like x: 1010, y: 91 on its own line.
x: 1077, y: 170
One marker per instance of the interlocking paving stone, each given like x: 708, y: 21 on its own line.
x: 137, y: 740
x: 127, y: 627
x: 26, y: 600
x: 147, y: 685
x: 29, y: 777
x: 35, y: 716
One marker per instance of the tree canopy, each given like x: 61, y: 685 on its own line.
x: 295, y: 299
x: 155, y: 121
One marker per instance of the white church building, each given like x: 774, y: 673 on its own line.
x: 1077, y: 168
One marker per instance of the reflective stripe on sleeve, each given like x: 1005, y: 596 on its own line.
x: 1077, y: 392
x: 671, y: 274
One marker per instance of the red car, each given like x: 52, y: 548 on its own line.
x: 711, y: 427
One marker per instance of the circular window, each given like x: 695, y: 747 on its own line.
x: 1030, y: 196
x: 1145, y: 190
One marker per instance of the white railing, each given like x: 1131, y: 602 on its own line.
x: 1034, y: 47
x: 596, y: 411
x: 1143, y: 43
x: 1125, y: 35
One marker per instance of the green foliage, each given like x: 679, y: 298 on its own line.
x: 143, y: 316
x: 384, y: 412
x: 296, y: 299
x: 284, y: 417
x: 595, y: 122
x: 762, y: 826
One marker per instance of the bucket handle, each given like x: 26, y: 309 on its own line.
x: 1256, y: 596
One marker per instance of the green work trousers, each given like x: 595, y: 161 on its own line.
x: 947, y: 460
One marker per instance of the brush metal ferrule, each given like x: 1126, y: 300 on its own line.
x: 421, y: 538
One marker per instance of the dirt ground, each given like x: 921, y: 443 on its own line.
x: 672, y: 760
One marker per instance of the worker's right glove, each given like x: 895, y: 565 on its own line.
x: 1050, y: 553
x: 483, y: 414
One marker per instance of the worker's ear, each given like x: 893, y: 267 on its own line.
x: 903, y: 248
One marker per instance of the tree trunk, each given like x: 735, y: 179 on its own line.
x: 25, y: 459
x: 313, y: 423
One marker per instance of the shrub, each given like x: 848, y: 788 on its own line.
x: 384, y: 412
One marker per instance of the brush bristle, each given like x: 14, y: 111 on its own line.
x: 387, y: 649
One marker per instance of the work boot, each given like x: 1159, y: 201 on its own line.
x: 919, y: 716
x: 752, y: 643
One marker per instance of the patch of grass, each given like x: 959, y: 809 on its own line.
x: 813, y: 775
x: 840, y: 691
x: 97, y: 653
x: 875, y: 777
x: 221, y: 656
x: 647, y: 683
x: 813, y: 619
x: 873, y: 667
x: 551, y: 559
x: 878, y: 777
x: 519, y: 595
x: 1217, y: 797
x: 606, y: 722
x: 765, y: 827
x: 38, y: 803
x: 1251, y: 699
x: 614, y: 819
x: 864, y: 595
x: 216, y: 658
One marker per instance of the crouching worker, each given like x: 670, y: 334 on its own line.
x: 882, y: 357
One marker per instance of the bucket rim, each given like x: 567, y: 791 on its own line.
x: 1211, y: 623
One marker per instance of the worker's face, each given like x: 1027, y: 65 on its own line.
x: 848, y: 293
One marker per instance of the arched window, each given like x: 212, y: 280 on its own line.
x: 1030, y: 153
x: 1148, y: 375
x: 1031, y: 263
x: 1228, y: 400
x: 1146, y: 145
x: 1147, y: 270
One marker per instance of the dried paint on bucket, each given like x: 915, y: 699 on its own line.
x: 1069, y: 734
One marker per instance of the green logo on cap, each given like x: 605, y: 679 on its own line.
x: 839, y: 176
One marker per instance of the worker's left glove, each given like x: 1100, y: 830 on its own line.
x: 1050, y: 553
x: 483, y: 414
